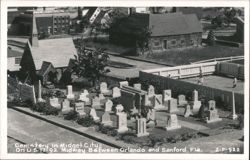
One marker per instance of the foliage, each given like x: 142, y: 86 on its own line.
x: 218, y: 20
x: 72, y: 115
x: 107, y: 130
x: 142, y: 39
x: 45, y: 108
x: 229, y: 14
x: 86, y: 121
x: 211, y: 38
x: 90, y: 64
x: 241, y: 121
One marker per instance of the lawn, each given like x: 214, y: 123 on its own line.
x: 186, y: 56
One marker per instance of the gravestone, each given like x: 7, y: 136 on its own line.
x: 95, y: 103
x: 119, y: 109
x: 66, y: 106
x: 106, y: 120
x: 172, y: 122
x: 212, y: 116
x: 196, y: 104
x: 187, y: 111
x: 122, y: 122
x: 104, y: 87
x: 195, y: 95
x: 80, y: 108
x: 211, y: 105
x: 108, y: 106
x: 70, y: 94
x: 123, y: 83
x: 116, y: 92
x: 54, y: 103
x: 93, y: 114
x: 101, y: 96
x: 151, y: 114
x: 39, y: 98
x: 151, y: 91
x: 172, y: 106
x: 146, y: 101
x: 137, y: 86
x: 157, y: 102
x: 27, y: 92
x: 182, y: 100
x: 84, y: 96
x: 233, y: 115
x: 167, y: 95
x: 141, y: 127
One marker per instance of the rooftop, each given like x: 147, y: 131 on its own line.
x: 56, y: 51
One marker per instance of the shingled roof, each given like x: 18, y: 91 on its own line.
x: 162, y: 24
x: 56, y: 51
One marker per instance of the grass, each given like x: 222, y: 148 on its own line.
x: 180, y: 57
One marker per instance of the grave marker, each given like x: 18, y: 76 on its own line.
x: 66, y: 106
x: 54, y: 103
x: 39, y: 98
x: 122, y: 122
x: 141, y: 127
x: 233, y: 114
x: 172, y: 122
x: 70, y: 94
x: 108, y: 106
x: 167, y: 95
x: 123, y: 83
x: 116, y: 92
x: 182, y: 100
x: 137, y: 86
x: 93, y: 114
x: 172, y: 106
x: 104, y: 87
x: 151, y: 91
x: 106, y: 120
x: 188, y: 111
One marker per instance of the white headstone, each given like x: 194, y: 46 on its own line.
x: 172, y: 122
x: 195, y: 95
x: 151, y: 114
x: 108, y: 105
x: 104, y: 87
x: 196, y: 105
x: 95, y: 102
x: 84, y: 96
x: 106, y: 120
x: 123, y: 83
x: 119, y: 109
x: 66, y: 106
x: 182, y: 100
x: 167, y: 95
x: 70, y: 94
x: 101, y: 96
x: 141, y: 127
x: 172, y: 106
x: 93, y: 114
x: 39, y: 98
x: 233, y: 114
x: 137, y: 86
x: 54, y: 103
x: 116, y: 92
x: 188, y: 111
x: 151, y: 91
x: 122, y: 123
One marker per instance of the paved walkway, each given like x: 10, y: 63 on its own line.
x: 30, y: 130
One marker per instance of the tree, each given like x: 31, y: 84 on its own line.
x: 211, y: 38
x: 229, y: 14
x: 90, y: 64
x: 142, y: 39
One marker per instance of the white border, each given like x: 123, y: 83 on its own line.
x: 184, y: 3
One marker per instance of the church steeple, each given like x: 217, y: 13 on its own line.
x: 34, y: 34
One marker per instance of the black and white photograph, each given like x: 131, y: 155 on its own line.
x: 158, y: 80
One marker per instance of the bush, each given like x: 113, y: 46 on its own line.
x: 45, y: 108
x: 108, y: 130
x: 72, y: 115
x: 241, y: 122
x: 86, y: 121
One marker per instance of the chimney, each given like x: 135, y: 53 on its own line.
x: 34, y: 34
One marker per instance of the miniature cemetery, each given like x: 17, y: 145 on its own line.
x: 139, y: 114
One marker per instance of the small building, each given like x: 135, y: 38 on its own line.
x: 58, y: 52
x: 48, y: 22
x: 168, y: 31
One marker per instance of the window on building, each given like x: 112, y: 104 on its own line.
x: 17, y: 60
x: 173, y: 42
x: 165, y: 44
x: 182, y: 41
x: 156, y: 43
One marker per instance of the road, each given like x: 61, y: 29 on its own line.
x: 26, y: 132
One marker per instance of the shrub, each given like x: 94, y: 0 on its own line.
x: 86, y: 121
x: 241, y: 122
x: 108, y: 130
x: 72, y: 115
x: 45, y: 108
